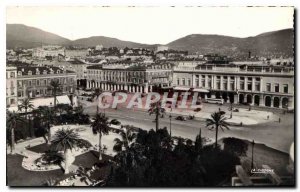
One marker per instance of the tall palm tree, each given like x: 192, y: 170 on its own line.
x: 12, y: 118
x: 217, y: 120
x: 128, y: 137
x: 48, y: 116
x: 100, y: 126
x: 156, y: 109
x: 55, y: 86
x: 26, y: 104
x: 66, y: 140
x: 97, y: 92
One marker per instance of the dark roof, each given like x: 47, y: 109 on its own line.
x: 76, y: 62
x: 25, y: 69
x: 95, y: 67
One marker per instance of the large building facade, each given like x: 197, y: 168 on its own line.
x: 253, y: 84
x: 132, y: 78
x: 53, y: 51
x: 33, y: 81
x: 260, y: 85
x: 11, y: 86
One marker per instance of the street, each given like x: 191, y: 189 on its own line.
x: 273, y: 134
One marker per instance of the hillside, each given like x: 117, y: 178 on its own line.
x: 108, y: 42
x: 18, y: 35
x: 271, y: 43
x: 275, y: 43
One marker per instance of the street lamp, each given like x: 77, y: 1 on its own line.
x: 252, y: 154
x: 170, y: 125
x: 230, y: 110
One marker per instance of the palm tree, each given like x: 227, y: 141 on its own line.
x: 97, y: 92
x: 55, y: 87
x: 26, y: 104
x: 100, y: 126
x: 217, y: 120
x: 48, y: 116
x: 12, y: 118
x: 158, y: 111
x: 66, y: 140
x: 128, y: 137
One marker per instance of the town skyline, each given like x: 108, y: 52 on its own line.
x: 235, y: 22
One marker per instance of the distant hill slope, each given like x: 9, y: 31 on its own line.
x: 271, y: 43
x: 18, y: 35
x: 266, y: 44
x: 109, y: 42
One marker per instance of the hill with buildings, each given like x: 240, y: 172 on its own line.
x: 109, y: 42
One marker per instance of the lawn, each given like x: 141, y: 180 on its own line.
x: 18, y: 176
x: 264, y: 155
x: 89, y: 159
x: 42, y: 148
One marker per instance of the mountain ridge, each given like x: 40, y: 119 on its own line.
x: 268, y: 43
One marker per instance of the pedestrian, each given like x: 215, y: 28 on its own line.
x: 279, y: 120
x: 241, y: 124
x: 219, y: 109
x: 268, y: 117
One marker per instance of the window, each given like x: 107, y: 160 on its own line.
x: 285, y: 88
x: 189, y: 82
x: 276, y: 87
x: 29, y: 83
x: 29, y: 72
x: 268, y: 87
x: 232, y: 86
x: 249, y: 78
x: 12, y: 101
x: 242, y: 86
x: 37, y: 82
x: 203, y: 82
x: 197, y: 82
x: 225, y: 85
x: 257, y: 86
x: 209, y: 83
x: 218, y: 85
x: 257, y: 79
x: 242, y: 78
x: 218, y: 77
x: 12, y: 75
x: 183, y: 81
x: 249, y: 86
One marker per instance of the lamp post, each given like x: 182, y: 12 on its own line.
x: 230, y: 110
x: 170, y: 125
x: 252, y: 154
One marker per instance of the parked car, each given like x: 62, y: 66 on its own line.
x: 181, y: 118
x: 115, y: 124
x: 197, y: 110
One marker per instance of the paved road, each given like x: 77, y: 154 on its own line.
x: 274, y: 134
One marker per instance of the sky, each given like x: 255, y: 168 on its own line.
x: 152, y: 25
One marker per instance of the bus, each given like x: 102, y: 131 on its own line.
x: 214, y: 100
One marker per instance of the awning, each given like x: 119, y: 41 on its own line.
x: 181, y: 88
x: 64, y: 99
x: 201, y: 90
